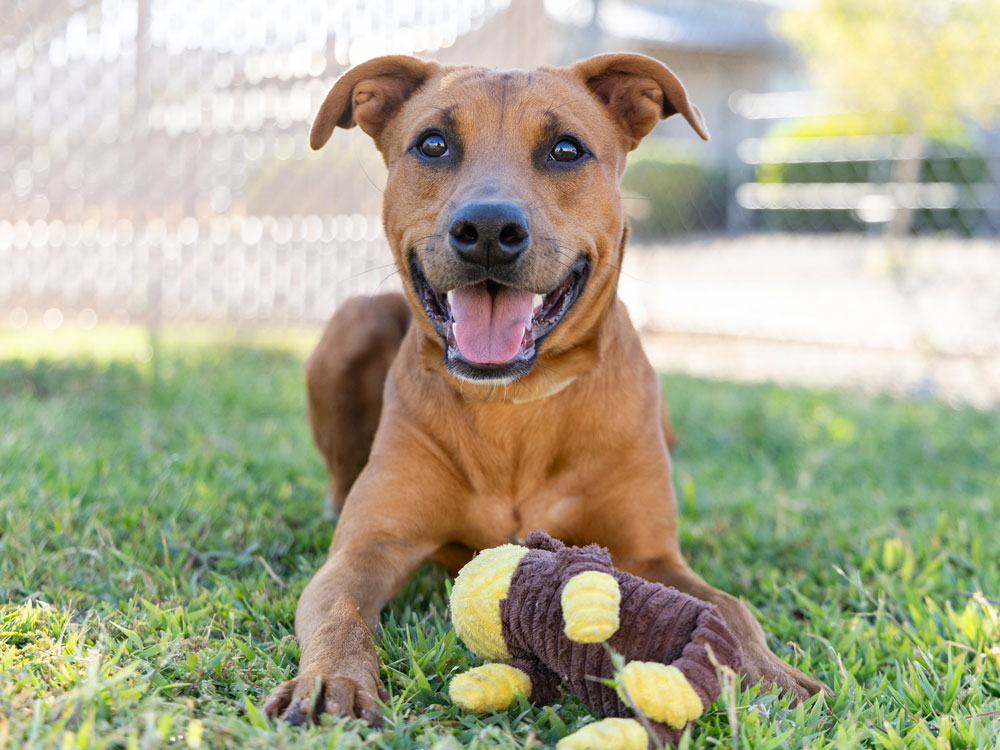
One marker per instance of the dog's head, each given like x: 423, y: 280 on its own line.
x: 502, y: 204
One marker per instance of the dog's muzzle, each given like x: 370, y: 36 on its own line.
x: 492, y: 331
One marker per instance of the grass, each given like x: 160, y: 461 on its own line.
x: 160, y: 512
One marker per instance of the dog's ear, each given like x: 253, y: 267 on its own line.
x: 639, y: 90
x: 369, y: 95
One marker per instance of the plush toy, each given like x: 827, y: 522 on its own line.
x: 546, y: 610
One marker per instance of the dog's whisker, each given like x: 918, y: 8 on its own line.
x: 426, y: 237
x: 369, y: 270
x: 394, y: 273
x: 536, y: 206
x: 364, y: 171
x: 566, y: 252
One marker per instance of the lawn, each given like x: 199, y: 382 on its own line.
x: 161, y: 509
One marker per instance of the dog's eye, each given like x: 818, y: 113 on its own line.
x: 566, y: 150
x: 433, y: 145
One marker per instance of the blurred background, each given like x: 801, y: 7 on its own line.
x: 841, y: 228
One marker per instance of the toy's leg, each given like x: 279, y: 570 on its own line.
x: 607, y: 734
x: 492, y: 687
x: 661, y: 692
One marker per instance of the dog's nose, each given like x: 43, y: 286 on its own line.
x: 489, y: 233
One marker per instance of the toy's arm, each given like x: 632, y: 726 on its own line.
x: 661, y: 693
x: 590, y: 606
x: 492, y: 687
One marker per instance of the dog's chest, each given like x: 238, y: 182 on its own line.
x: 501, y: 518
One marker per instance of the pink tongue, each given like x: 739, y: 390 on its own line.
x: 489, y: 328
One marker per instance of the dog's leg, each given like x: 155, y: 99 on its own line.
x: 760, y: 664
x: 668, y: 425
x: 639, y: 528
x: 388, y: 527
x: 339, y: 664
x: 345, y: 376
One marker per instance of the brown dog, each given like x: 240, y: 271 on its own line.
x: 509, y: 392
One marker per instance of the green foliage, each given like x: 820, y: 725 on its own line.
x: 158, y: 520
x: 669, y: 193
x: 932, y: 63
x: 962, y: 165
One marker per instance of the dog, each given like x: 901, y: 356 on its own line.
x: 506, y: 389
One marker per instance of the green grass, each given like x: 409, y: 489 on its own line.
x: 159, y: 515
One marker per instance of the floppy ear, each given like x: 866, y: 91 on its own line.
x: 639, y: 90
x: 369, y: 95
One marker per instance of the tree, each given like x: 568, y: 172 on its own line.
x: 933, y: 63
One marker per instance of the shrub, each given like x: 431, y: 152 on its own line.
x: 668, y: 193
x: 962, y: 165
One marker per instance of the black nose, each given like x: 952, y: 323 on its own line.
x: 489, y: 233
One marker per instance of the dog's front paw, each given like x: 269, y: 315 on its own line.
x: 338, y: 675
x: 762, y: 666
x: 307, y: 697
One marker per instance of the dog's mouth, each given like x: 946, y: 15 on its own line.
x: 492, y: 331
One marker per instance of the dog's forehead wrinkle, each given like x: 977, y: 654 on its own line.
x: 461, y: 75
x: 504, y: 82
x: 493, y: 85
x: 508, y: 126
x: 432, y: 114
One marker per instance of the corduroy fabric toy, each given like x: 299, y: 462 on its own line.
x: 545, y: 610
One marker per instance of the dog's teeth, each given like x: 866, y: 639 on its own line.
x: 451, y: 296
x: 538, y: 300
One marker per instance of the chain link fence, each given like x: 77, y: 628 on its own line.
x: 154, y: 159
x: 788, y: 174
x: 154, y: 164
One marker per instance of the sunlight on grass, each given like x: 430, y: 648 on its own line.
x: 133, y: 343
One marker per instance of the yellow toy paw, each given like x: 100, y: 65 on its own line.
x: 590, y: 604
x: 607, y: 734
x: 662, y: 692
x: 491, y: 687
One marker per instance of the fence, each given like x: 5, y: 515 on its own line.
x: 154, y: 163
x: 153, y: 154
x: 785, y: 174
x: 798, y: 177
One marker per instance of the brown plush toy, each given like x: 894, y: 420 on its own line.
x: 547, y: 610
